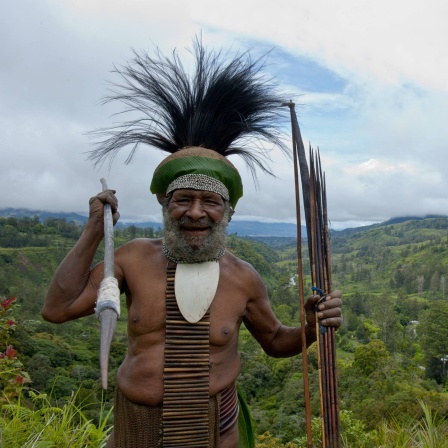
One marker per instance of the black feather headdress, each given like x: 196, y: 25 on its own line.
x: 227, y: 105
x: 222, y: 106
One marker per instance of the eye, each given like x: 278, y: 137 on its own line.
x: 182, y: 201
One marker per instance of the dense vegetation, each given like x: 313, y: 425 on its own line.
x: 392, y: 348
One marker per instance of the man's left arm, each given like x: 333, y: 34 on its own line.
x: 328, y: 312
x: 280, y: 341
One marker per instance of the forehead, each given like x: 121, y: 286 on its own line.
x: 200, y: 194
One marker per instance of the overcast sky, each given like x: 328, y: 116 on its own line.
x: 371, y: 79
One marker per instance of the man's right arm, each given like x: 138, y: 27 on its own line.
x: 73, y: 289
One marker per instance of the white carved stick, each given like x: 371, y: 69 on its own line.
x: 108, y: 302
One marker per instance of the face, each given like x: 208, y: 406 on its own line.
x: 195, y: 224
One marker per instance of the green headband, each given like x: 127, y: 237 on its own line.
x: 214, y: 168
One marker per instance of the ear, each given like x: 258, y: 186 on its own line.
x: 161, y: 197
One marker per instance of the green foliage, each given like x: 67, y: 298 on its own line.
x: 245, y: 427
x: 27, y: 232
x: 433, y: 332
x: 266, y: 440
x: 390, y: 347
x: 353, y: 433
x: 257, y: 254
x: 42, y: 424
x: 371, y: 357
x: 432, y: 431
x: 13, y: 376
x: 429, y: 432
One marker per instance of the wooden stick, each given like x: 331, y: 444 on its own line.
x: 333, y: 423
x: 315, y: 205
x: 298, y: 146
x: 108, y: 317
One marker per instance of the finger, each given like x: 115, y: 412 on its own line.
x: 115, y: 217
x: 108, y: 197
x: 332, y: 322
x: 336, y: 294
x: 107, y: 194
x: 311, y: 302
x: 329, y: 304
x: 332, y: 312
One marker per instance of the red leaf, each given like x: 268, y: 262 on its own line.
x: 6, y: 302
x: 10, y: 352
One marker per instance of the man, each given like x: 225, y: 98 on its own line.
x: 186, y: 295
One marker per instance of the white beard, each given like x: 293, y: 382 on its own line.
x: 178, y: 245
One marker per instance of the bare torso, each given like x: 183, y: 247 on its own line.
x: 143, y: 265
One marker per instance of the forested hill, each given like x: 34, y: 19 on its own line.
x: 410, y: 256
x: 392, y: 348
x: 242, y: 228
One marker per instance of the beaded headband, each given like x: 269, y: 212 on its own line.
x: 199, y: 182
x: 199, y: 169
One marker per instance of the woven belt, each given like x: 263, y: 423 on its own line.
x: 185, y: 420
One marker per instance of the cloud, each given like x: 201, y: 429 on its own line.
x: 390, y: 41
x: 370, y: 87
x: 373, y: 166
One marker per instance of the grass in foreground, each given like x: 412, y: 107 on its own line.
x: 44, y: 425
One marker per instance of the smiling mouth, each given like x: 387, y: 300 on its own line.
x: 195, y: 230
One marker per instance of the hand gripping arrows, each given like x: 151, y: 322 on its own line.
x: 108, y: 301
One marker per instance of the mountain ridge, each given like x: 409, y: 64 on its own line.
x: 240, y: 228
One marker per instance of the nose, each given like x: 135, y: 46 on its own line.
x: 196, y: 210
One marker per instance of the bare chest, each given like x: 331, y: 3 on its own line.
x: 147, y: 309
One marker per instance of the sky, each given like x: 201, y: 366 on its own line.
x: 369, y: 79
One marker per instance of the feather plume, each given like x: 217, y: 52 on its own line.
x: 227, y: 105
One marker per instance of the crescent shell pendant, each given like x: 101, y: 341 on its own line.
x: 195, y: 288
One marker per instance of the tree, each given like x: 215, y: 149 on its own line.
x: 420, y: 284
x: 371, y: 357
x: 385, y: 317
x: 434, y: 283
x: 433, y: 333
x: 442, y: 285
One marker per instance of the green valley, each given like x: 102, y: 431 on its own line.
x: 392, y: 347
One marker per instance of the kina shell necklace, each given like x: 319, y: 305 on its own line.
x: 195, y: 285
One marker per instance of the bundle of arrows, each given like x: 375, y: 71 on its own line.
x: 312, y: 181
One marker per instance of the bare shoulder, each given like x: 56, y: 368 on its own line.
x: 140, y: 253
x: 140, y: 245
x: 243, y: 272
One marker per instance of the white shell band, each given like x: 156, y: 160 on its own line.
x: 108, y: 296
x: 199, y: 182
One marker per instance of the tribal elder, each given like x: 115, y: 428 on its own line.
x: 186, y: 294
